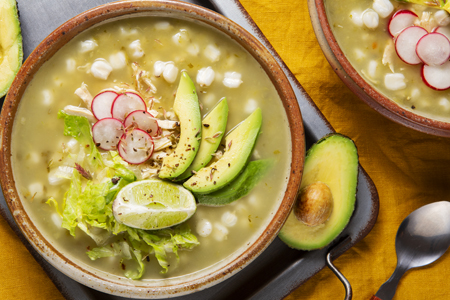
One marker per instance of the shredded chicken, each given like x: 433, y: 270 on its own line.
x: 166, y: 133
x: 158, y: 155
x: 218, y: 154
x: 84, y: 94
x: 142, y: 76
x: 168, y: 124
x: 86, y: 68
x: 80, y: 111
x: 426, y: 21
x: 170, y: 115
x: 148, y: 172
x: 121, y: 88
x: 153, y: 112
x: 162, y: 143
x: 388, y: 55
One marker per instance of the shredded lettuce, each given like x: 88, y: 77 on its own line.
x: 142, y: 242
x: 115, y: 249
x: 52, y: 201
x: 119, y: 165
x: 80, y: 129
x: 87, y: 205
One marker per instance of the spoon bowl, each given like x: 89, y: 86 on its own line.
x: 424, y: 235
x: 422, y: 238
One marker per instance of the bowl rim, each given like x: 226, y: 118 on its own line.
x: 127, y: 8
x: 364, y: 90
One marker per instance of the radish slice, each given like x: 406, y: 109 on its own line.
x: 437, y: 77
x: 433, y: 49
x: 144, y: 121
x: 406, y: 43
x: 126, y: 103
x: 102, y: 103
x: 136, y: 146
x: 443, y: 30
x: 107, y: 132
x: 401, y: 20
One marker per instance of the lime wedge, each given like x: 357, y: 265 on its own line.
x: 153, y: 204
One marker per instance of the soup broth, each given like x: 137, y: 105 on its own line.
x: 38, y: 133
x: 372, y: 53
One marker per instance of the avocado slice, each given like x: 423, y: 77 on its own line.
x: 188, y: 111
x: 213, y: 129
x: 333, y: 160
x: 11, y: 53
x: 239, y: 187
x: 239, y: 145
x: 445, y: 5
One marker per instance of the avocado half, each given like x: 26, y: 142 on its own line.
x: 333, y: 160
x: 11, y: 53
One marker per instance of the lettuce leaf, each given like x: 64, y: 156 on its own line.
x: 114, y: 189
x: 120, y: 167
x: 87, y: 205
x: 90, y: 207
x: 121, y: 248
x: 80, y: 129
x: 158, y: 242
x: 70, y: 204
x: 136, y: 274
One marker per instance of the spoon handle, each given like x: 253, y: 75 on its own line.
x: 387, y: 290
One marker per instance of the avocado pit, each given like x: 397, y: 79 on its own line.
x: 314, y: 204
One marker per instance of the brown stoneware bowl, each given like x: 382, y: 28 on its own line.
x: 359, y: 85
x: 169, y: 287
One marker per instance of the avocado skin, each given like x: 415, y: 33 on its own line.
x: 239, y: 187
x: 217, y: 120
x: 239, y: 146
x: 11, y: 49
x: 187, y: 108
x: 333, y: 160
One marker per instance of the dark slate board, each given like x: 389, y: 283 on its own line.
x: 288, y: 268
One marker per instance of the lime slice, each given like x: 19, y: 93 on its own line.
x: 153, y: 204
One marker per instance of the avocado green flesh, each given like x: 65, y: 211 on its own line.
x: 11, y: 53
x: 239, y: 187
x: 239, y: 146
x: 187, y: 108
x: 334, y: 161
x: 213, y: 124
x: 441, y: 4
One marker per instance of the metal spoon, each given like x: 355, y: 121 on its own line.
x: 422, y: 238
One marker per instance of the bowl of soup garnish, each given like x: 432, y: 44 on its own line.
x: 150, y: 149
x: 393, y: 54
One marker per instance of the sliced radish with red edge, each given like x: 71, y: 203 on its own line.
x: 102, y: 103
x: 125, y: 104
x: 433, y: 49
x: 135, y: 146
x: 406, y: 43
x: 107, y: 132
x: 143, y: 120
x: 400, y: 20
x: 437, y: 77
x: 443, y: 30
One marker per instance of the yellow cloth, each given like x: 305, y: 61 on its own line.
x: 410, y: 169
